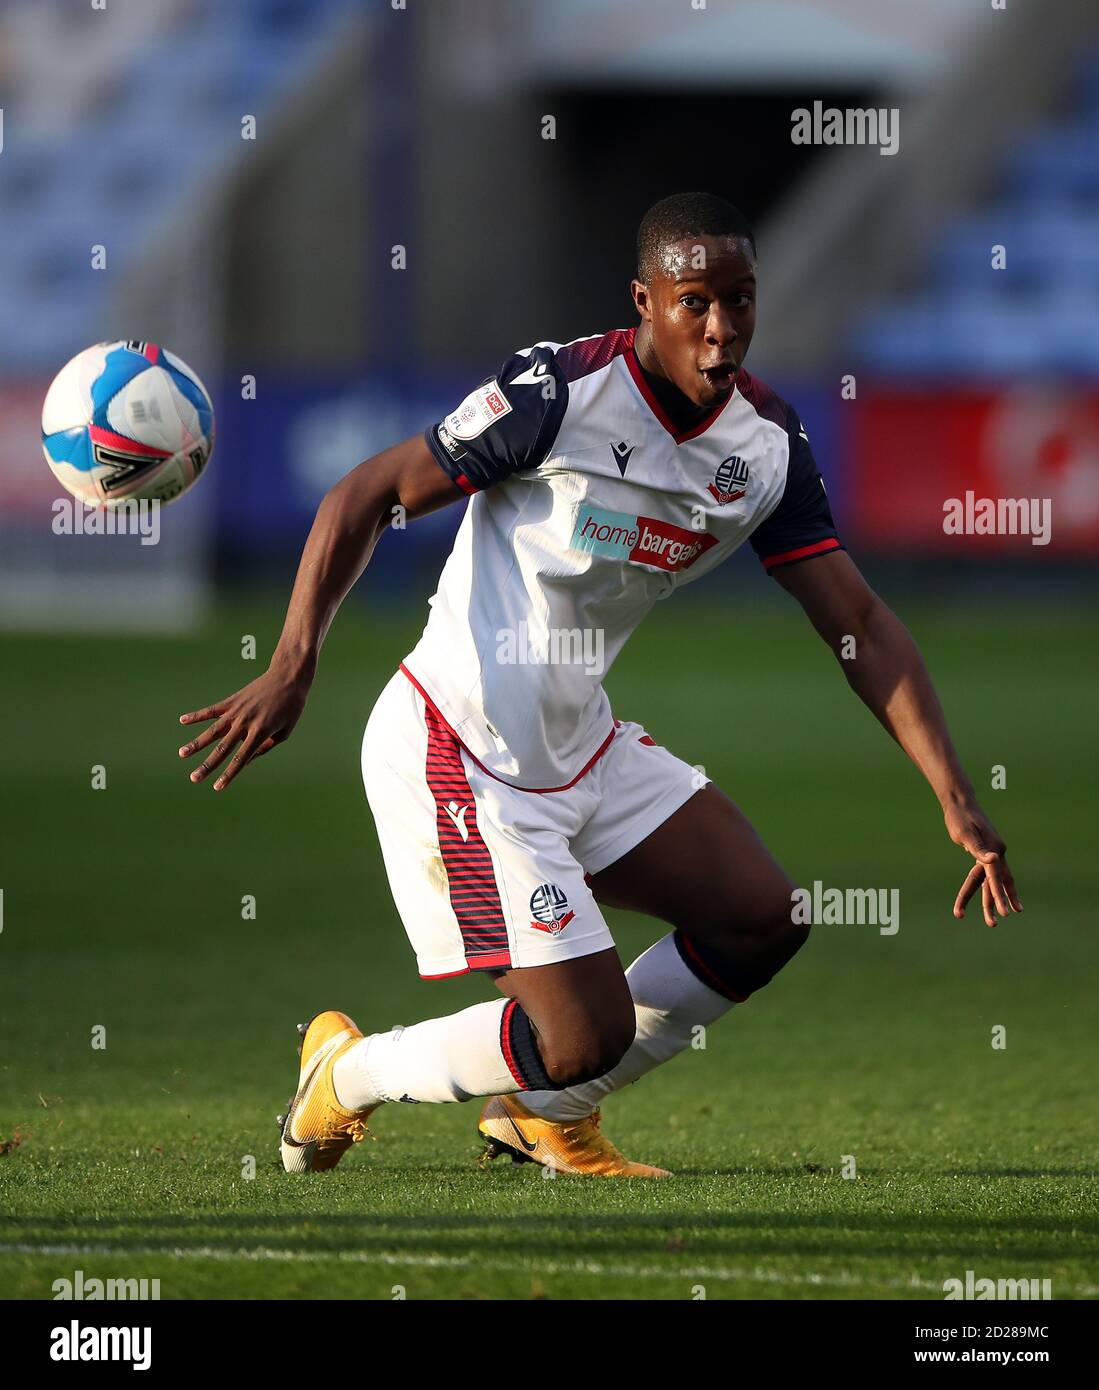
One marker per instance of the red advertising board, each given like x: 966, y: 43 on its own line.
x: 27, y: 487
x: 1009, y: 473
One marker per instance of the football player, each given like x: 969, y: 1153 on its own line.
x: 511, y: 804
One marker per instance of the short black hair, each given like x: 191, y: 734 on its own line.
x: 685, y: 215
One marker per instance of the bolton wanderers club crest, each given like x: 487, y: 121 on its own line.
x: 550, y: 909
x: 730, y: 480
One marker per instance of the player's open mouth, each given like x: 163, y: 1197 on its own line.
x: 720, y: 378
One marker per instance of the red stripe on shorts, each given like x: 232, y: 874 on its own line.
x: 471, y: 878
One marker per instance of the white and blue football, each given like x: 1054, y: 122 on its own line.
x: 125, y: 422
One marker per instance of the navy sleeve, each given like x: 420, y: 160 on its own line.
x: 509, y: 423
x: 801, y: 526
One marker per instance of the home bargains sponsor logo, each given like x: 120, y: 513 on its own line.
x: 641, y: 539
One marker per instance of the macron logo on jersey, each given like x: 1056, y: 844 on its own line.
x: 640, y: 539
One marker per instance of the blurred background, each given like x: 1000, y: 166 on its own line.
x: 344, y: 213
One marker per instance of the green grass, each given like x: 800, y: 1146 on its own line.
x: 122, y: 908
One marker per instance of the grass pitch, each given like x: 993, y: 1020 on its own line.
x: 122, y: 910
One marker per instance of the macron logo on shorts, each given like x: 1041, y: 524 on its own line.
x: 639, y: 539
x: 458, y: 815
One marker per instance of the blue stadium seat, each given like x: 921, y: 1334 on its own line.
x: 1056, y: 163
x: 149, y: 136
x: 1040, y: 313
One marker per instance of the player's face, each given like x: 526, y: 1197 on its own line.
x: 700, y: 312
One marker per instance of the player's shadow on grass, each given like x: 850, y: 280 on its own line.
x: 698, y: 1235
x: 800, y: 1170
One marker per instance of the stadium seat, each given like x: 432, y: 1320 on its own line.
x: 1040, y: 312
x: 135, y: 161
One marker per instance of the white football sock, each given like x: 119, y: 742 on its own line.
x: 444, y: 1059
x: 670, y: 1001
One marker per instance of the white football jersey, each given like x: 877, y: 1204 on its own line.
x: 587, y: 505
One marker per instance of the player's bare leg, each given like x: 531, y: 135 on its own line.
x: 583, y: 1014
x: 707, y: 874
x: 581, y: 1010
x: 559, y: 1025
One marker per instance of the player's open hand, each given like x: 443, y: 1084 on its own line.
x: 252, y: 722
x: 969, y: 827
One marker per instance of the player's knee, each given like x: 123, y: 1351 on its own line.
x: 786, y: 928
x: 583, y: 1054
x: 746, y: 952
x: 775, y: 932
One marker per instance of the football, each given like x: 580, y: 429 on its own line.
x: 127, y: 421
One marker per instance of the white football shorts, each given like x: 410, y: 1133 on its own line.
x: 487, y: 876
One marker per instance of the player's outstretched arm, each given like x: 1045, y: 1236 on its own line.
x: 885, y: 668
x: 347, y: 526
